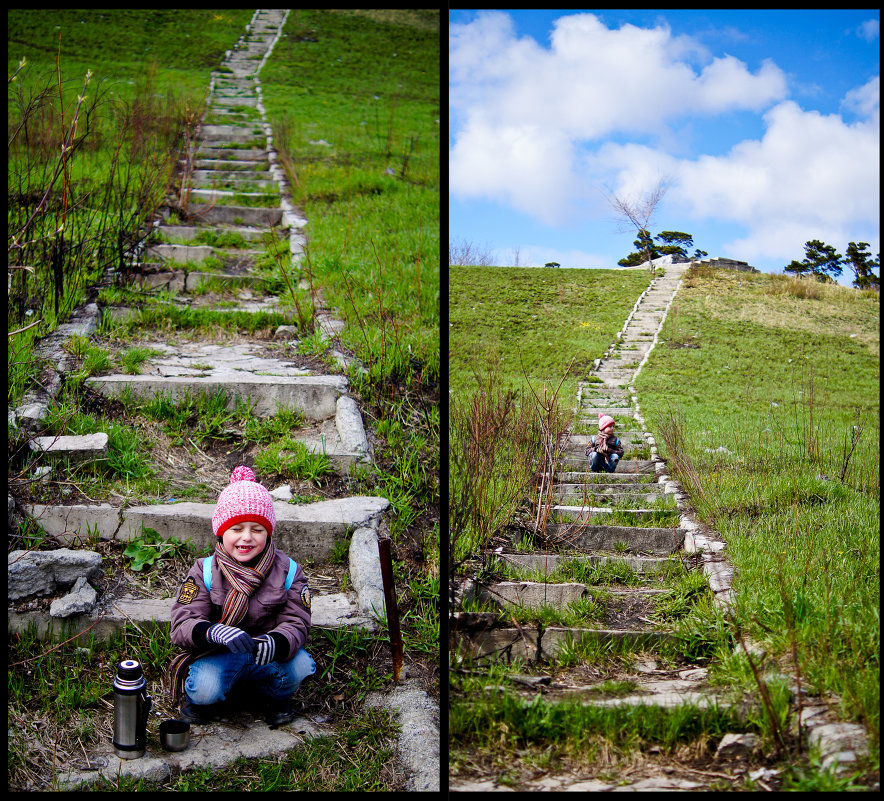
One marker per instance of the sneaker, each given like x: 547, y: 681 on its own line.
x: 278, y: 712
x: 199, y: 713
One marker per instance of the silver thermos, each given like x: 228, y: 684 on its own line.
x: 131, y: 705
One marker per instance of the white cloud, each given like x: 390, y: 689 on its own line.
x: 808, y: 167
x: 528, y: 167
x: 519, y: 109
x: 811, y: 176
x: 869, y: 30
x: 864, y: 99
x: 590, y: 81
x: 529, y: 126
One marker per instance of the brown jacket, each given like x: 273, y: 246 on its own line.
x: 272, y: 609
x: 614, y: 446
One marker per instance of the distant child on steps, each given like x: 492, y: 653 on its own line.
x: 242, y: 614
x: 604, y: 449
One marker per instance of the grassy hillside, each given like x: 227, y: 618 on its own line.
x: 120, y: 86
x: 353, y: 98
x: 767, y: 392
x: 503, y: 317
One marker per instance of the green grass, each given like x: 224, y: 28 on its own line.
x: 149, y: 70
x: 506, y: 317
x: 779, y: 381
x: 368, y: 84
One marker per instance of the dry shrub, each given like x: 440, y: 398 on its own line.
x: 797, y: 286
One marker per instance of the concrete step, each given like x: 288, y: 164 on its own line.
x: 572, y: 493
x: 532, y: 594
x: 182, y: 281
x: 181, y: 253
x: 231, y: 175
x: 306, y: 532
x: 550, y: 561
x: 604, y: 490
x: 191, y: 231
x: 643, y: 479
x: 76, y: 448
x: 226, y: 196
x: 331, y: 611
x: 537, y: 594
x: 229, y: 99
x: 644, y: 501
x: 236, y: 215
x: 254, y: 130
x: 315, y: 395
x: 579, y: 511
x: 529, y: 643
x: 241, y: 186
x: 622, y: 364
x: 584, y: 537
x: 624, y: 466
x: 231, y: 154
x: 591, y: 409
x: 251, y: 165
x: 200, y: 253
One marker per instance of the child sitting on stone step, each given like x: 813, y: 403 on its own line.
x: 604, y: 449
x: 242, y: 614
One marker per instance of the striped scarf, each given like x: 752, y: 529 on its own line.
x: 243, y: 581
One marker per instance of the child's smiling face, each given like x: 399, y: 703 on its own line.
x: 244, y: 541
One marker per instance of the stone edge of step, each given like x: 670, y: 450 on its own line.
x: 367, y: 524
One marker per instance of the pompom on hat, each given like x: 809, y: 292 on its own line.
x: 243, y: 500
x: 605, y: 421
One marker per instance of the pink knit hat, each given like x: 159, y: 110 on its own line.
x: 243, y: 500
x: 605, y: 421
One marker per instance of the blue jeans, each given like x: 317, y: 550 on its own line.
x: 211, y: 678
x: 597, y: 462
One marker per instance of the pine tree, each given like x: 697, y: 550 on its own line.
x: 862, y: 265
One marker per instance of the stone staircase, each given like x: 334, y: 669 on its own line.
x: 647, y: 532
x: 627, y: 561
x: 231, y: 189
x: 233, y: 161
x: 624, y: 593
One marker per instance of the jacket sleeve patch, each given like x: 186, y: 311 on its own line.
x: 305, y: 597
x: 189, y: 591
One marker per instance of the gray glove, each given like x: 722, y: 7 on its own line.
x: 266, y: 649
x: 236, y: 640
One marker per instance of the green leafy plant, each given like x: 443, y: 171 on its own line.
x: 148, y: 548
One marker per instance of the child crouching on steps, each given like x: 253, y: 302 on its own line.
x: 604, y: 449
x: 242, y: 614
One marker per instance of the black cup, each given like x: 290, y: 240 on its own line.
x: 174, y: 735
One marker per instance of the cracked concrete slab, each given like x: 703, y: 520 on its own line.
x: 211, y: 746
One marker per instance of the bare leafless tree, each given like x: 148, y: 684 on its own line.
x: 637, y: 213
x: 466, y: 254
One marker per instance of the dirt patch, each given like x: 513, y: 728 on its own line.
x: 629, y: 612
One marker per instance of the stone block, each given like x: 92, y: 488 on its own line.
x: 348, y: 420
x: 75, y: 523
x: 534, y: 595
x: 79, y: 448
x: 365, y: 571
x: 41, y: 572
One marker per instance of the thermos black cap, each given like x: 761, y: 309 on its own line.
x: 129, y: 669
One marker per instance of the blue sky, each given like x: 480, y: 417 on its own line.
x: 765, y: 123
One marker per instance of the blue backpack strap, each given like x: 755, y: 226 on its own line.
x: 207, y: 571
x: 290, y: 577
